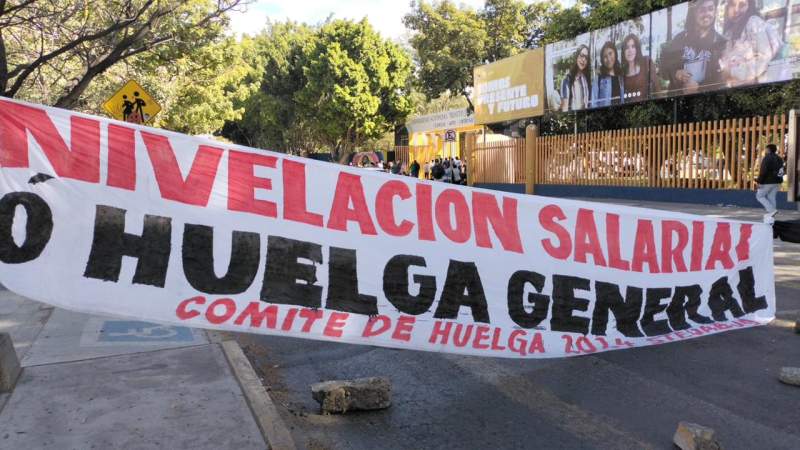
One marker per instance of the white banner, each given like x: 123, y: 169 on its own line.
x: 153, y: 225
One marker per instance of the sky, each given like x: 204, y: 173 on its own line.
x: 385, y: 15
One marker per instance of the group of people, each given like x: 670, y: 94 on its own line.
x: 698, y: 57
x: 618, y: 79
x: 447, y: 170
x: 701, y: 56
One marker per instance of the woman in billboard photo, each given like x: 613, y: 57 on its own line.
x: 690, y: 61
x: 576, y: 87
x: 751, y: 43
x: 638, y: 78
x: 609, y: 89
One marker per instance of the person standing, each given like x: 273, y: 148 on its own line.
x: 414, y: 169
x: 437, y: 171
x: 609, y: 89
x: 576, y: 87
x: 448, y: 172
x: 455, y: 165
x: 770, y: 178
x: 690, y: 61
x: 752, y: 43
x: 427, y: 170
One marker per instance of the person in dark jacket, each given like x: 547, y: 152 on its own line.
x: 414, y: 169
x: 770, y: 178
x: 690, y: 61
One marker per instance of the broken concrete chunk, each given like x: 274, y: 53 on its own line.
x: 691, y: 436
x: 338, y: 397
x: 790, y: 375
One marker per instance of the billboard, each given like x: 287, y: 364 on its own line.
x: 568, y: 74
x: 454, y: 118
x: 510, y: 89
x: 689, y: 48
x: 707, y: 45
x: 621, y: 64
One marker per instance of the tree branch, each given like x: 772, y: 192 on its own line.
x: 13, y: 9
x: 22, y: 72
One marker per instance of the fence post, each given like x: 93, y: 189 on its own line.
x: 531, y: 134
x: 791, y: 157
x: 468, y: 158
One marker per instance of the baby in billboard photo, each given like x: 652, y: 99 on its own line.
x: 752, y: 43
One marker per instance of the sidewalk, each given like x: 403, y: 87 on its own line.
x: 96, y: 382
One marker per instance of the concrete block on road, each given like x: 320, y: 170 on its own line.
x: 691, y: 436
x: 790, y: 376
x: 9, y: 363
x: 363, y: 394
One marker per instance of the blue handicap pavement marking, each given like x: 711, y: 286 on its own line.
x: 136, y: 331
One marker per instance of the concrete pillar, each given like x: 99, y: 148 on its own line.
x: 467, y: 157
x: 531, y: 135
x: 9, y: 364
x: 792, y: 167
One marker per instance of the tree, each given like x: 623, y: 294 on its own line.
x: 337, y: 86
x: 203, y: 90
x: 356, y: 83
x: 271, y: 116
x: 538, y: 22
x: 449, y: 42
x: 52, y: 50
x: 506, y: 28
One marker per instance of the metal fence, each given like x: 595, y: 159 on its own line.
x: 723, y: 154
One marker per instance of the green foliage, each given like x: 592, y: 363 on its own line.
x: 335, y: 87
x: 449, y: 42
x: 506, y: 28
x: 271, y: 118
x: 444, y: 102
x: 355, y: 83
x: 77, y: 54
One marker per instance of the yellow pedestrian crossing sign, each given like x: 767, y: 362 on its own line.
x: 132, y: 104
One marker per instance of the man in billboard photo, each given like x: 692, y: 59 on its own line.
x: 638, y: 78
x: 609, y: 89
x: 690, y: 61
x: 751, y: 43
x: 576, y: 87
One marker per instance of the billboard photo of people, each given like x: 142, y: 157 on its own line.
x: 568, y: 74
x: 714, y: 44
x: 757, y: 48
x: 690, y: 47
x: 621, y: 60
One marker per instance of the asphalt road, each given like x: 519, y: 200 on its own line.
x: 622, y: 399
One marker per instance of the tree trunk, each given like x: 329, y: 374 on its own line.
x: 70, y: 99
x: 3, y: 60
x: 471, y: 107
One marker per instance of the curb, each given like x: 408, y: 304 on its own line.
x: 269, y: 421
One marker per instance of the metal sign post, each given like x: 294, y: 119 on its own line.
x: 791, y: 158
